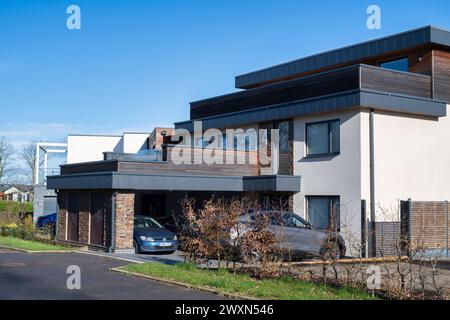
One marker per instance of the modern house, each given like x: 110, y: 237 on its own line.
x: 358, y: 129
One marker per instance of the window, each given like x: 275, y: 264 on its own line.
x: 322, y: 138
x: 323, y: 212
x: 399, y: 65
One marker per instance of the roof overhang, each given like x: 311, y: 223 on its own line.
x: 166, y: 182
x: 403, y: 41
x: 354, y: 99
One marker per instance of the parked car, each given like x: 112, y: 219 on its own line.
x: 44, y: 220
x: 47, y: 222
x: 150, y: 236
x: 296, y: 234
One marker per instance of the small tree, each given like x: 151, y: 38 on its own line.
x: 28, y: 154
x: 6, y: 157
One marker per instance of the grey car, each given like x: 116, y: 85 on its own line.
x: 296, y: 235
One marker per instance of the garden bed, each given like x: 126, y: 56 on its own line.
x: 225, y: 282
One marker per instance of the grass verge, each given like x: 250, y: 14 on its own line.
x: 225, y: 282
x: 28, y: 245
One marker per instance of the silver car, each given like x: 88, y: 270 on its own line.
x: 295, y: 235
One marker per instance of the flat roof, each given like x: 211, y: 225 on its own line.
x: 401, y: 41
x: 354, y: 99
x: 174, y: 182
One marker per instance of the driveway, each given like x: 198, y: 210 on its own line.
x: 43, y: 276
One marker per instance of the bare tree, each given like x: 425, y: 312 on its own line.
x: 6, y: 156
x: 28, y: 154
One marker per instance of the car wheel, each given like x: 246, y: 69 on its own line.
x: 136, y: 247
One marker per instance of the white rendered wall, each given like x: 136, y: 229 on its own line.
x: 332, y: 176
x: 134, y: 142
x: 90, y: 148
x: 412, y: 160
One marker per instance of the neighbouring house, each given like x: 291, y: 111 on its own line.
x: 358, y: 129
x: 16, y: 192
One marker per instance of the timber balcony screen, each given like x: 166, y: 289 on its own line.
x: 247, y: 167
x: 356, y: 77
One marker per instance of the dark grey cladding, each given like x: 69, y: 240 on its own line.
x: 168, y: 182
x: 377, y: 47
x: 342, y: 101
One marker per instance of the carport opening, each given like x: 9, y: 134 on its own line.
x: 151, y: 205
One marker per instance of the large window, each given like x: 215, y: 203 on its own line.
x: 399, y: 64
x: 322, y: 138
x: 323, y: 212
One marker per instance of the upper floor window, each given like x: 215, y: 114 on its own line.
x: 322, y: 138
x: 398, y: 64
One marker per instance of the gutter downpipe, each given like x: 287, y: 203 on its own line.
x: 113, y: 221
x: 372, y: 182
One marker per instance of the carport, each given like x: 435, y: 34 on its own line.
x: 97, y: 208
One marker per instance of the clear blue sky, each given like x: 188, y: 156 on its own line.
x: 137, y: 64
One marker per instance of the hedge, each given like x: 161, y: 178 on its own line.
x: 15, y: 207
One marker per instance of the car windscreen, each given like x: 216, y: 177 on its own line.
x: 292, y: 220
x: 146, y: 223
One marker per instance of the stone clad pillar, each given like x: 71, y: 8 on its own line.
x: 123, y: 221
x: 62, y: 216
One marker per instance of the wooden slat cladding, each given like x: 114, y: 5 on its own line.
x: 197, y: 169
x: 395, y: 82
x: 320, y: 84
x: 306, y: 87
x: 421, y: 63
x: 441, y: 74
x: 100, y: 166
x: 247, y: 167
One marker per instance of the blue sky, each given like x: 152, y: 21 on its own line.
x: 138, y: 64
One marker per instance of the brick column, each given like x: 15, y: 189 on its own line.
x: 124, y: 221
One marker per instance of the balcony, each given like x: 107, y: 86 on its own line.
x: 230, y: 163
x: 347, y: 79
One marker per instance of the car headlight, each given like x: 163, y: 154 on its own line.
x: 144, y: 238
x: 175, y: 237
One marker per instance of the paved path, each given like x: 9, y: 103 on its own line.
x: 43, y: 276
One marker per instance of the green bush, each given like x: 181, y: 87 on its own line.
x: 15, y: 207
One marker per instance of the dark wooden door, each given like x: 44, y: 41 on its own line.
x: 73, y: 211
x: 98, y: 201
